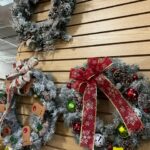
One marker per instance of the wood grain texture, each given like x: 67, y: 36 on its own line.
x: 115, y: 28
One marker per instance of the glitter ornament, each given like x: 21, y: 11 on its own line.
x: 99, y: 140
x: 131, y: 94
x: 122, y: 131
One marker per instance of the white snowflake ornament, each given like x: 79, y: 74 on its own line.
x: 99, y: 140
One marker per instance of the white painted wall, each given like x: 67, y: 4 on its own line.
x: 8, y: 46
x: 5, y: 69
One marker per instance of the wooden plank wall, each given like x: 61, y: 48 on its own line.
x: 115, y: 28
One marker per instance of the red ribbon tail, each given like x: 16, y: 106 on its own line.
x: 89, y: 116
x: 125, y: 110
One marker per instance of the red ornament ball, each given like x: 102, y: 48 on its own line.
x: 131, y: 94
x: 110, y: 147
x: 146, y: 110
x: 6, y: 130
x: 76, y: 127
x: 69, y: 85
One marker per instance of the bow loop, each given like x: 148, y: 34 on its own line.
x: 77, y: 74
x: 99, y: 65
x: 83, y: 77
x: 93, y: 63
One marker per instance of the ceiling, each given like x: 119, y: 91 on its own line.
x: 8, y: 38
x: 8, y: 41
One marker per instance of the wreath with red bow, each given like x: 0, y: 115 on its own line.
x: 25, y: 81
x: 125, y: 88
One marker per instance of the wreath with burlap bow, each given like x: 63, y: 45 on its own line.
x: 125, y: 88
x: 25, y: 81
x: 42, y: 35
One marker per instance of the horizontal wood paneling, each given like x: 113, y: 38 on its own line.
x: 87, y: 5
x: 62, y: 77
x: 65, y: 65
x: 113, y: 12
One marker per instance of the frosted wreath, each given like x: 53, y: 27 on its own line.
x: 27, y: 81
x: 42, y: 35
x: 125, y: 88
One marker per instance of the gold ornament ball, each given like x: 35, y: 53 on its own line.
x: 8, y: 148
x: 118, y: 148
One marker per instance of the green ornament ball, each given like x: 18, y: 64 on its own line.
x: 13, y: 140
x: 71, y: 106
x: 39, y: 127
x: 122, y: 131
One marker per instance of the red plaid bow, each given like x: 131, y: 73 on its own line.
x: 83, y: 77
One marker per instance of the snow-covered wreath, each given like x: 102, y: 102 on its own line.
x: 126, y: 89
x: 42, y: 35
x: 27, y: 81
